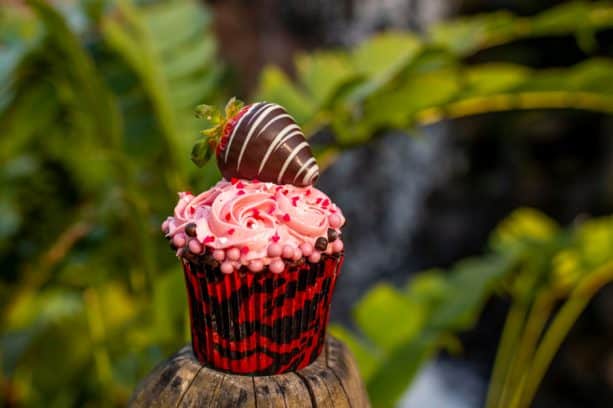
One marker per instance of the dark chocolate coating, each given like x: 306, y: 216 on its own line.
x: 266, y: 144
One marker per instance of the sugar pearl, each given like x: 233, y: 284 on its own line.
x: 178, y: 240
x: 288, y: 251
x: 337, y: 246
x: 335, y: 221
x: 274, y: 250
x: 256, y: 265
x: 165, y: 227
x: 277, y: 266
x: 195, y: 246
x: 314, y: 257
x: 233, y: 254
x: 227, y: 267
x: 219, y: 255
x: 307, y: 249
x: 297, y: 254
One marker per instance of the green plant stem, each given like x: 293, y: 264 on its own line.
x: 510, y: 334
x: 560, y: 327
x: 537, y: 318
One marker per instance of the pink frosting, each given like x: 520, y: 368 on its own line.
x: 252, y: 216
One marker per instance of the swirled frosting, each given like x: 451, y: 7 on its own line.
x: 255, y: 224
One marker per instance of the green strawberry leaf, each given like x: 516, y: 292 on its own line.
x: 201, y: 153
x: 208, y: 112
x: 233, y: 107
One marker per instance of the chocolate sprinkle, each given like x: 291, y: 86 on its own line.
x: 190, y: 229
x: 332, y: 235
x: 321, y: 244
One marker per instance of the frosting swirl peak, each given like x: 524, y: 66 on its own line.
x: 255, y: 224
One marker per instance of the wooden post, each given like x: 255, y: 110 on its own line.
x: 181, y: 381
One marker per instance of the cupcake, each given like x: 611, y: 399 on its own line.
x: 262, y: 249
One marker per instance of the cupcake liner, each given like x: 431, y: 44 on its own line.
x: 260, y: 323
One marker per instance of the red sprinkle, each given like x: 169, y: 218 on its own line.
x: 208, y: 238
x: 188, y: 192
x: 256, y: 212
x: 326, y: 203
x: 192, y: 210
x: 307, y: 192
x: 318, y: 200
x: 286, y: 218
x: 255, y: 181
x: 275, y: 238
x: 240, y: 185
x: 278, y: 188
x: 240, y: 192
x: 233, y: 180
x: 228, y: 216
x: 244, y: 250
x: 294, y: 200
x: 249, y: 223
x: 332, y: 210
x: 285, y: 192
x: 231, y: 231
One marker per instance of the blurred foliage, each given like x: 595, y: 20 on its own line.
x: 400, y: 80
x: 95, y: 113
x: 96, y: 102
x: 530, y: 260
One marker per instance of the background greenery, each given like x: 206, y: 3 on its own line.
x: 96, y: 124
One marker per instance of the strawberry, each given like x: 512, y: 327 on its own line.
x: 258, y: 141
x: 216, y: 136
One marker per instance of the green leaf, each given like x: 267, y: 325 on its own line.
x: 323, y: 74
x: 276, y: 87
x: 366, y: 358
x: 208, y: 112
x: 384, y: 308
x: 201, y: 153
x: 494, y: 77
x: 524, y: 225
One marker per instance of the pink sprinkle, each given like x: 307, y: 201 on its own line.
x: 275, y: 238
x: 307, y: 249
x: 245, y: 250
x: 231, y: 231
x: 286, y: 218
x: 178, y: 240
x: 335, y: 221
x: 256, y: 265
x: 288, y: 252
x: 240, y: 192
x: 274, y: 250
x: 233, y: 254
x: 195, y: 246
x: 208, y: 238
x: 240, y: 185
x: 297, y: 254
x: 277, y: 266
x: 314, y: 257
x: 227, y: 267
x: 337, y: 245
x: 219, y: 255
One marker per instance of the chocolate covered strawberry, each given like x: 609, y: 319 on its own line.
x: 258, y: 141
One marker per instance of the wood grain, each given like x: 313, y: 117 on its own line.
x: 331, y: 381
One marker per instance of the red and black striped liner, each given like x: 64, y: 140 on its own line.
x: 260, y: 323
